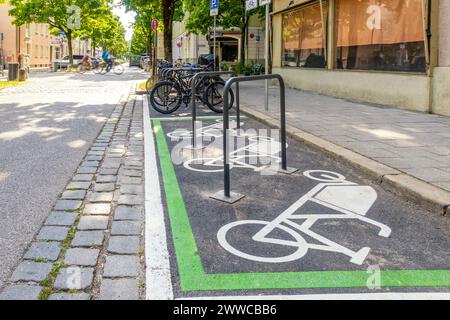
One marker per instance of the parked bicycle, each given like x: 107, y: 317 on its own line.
x: 175, y: 87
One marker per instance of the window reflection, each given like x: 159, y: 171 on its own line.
x: 380, y: 35
x: 303, y: 37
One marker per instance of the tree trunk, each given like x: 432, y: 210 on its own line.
x: 168, y: 10
x: 149, y: 44
x: 244, y: 33
x: 69, y: 44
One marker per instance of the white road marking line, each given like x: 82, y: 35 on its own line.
x: 335, y: 296
x: 158, y: 276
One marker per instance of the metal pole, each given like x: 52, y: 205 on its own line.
x: 226, y: 164
x: 154, y: 54
x: 266, y: 55
x: 214, y: 48
x: 194, y: 114
x: 283, y: 124
x: 238, y: 111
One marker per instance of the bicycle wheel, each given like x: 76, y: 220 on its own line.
x: 118, y: 69
x: 165, y: 97
x: 81, y: 68
x: 213, y: 96
x: 96, y: 69
x: 204, y: 164
x: 300, y: 244
x: 103, y: 69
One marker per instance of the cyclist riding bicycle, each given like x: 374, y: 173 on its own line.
x: 106, y: 56
x: 87, y: 59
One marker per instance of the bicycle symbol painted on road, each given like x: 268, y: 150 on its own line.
x: 261, y: 153
x: 255, y: 152
x: 212, y: 131
x: 350, y: 200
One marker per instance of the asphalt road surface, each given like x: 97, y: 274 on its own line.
x: 324, y: 229
x: 46, y: 127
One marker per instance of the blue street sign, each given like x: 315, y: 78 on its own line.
x: 213, y: 7
x: 214, y: 4
x: 61, y: 33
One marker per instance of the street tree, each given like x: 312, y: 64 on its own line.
x: 69, y: 16
x: 106, y: 31
x: 166, y: 10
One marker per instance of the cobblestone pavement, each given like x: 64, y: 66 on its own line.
x: 47, y: 125
x: 415, y: 143
x: 91, y: 244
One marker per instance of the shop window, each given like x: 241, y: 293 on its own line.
x: 384, y: 35
x: 303, y: 36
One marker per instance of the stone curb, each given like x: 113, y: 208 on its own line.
x: 398, y: 182
x: 139, y: 91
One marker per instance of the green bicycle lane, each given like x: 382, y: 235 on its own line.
x: 321, y: 247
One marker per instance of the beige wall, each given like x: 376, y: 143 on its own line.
x: 444, y: 34
x: 401, y: 90
x: 441, y: 74
x: 9, y: 31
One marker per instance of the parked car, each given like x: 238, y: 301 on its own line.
x: 144, y: 61
x: 64, y: 62
x: 135, y: 61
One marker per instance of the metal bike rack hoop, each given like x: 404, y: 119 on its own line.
x: 196, y: 78
x: 226, y: 195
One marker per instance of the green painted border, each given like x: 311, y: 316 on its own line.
x: 194, y: 278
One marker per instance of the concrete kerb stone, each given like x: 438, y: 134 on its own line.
x: 414, y: 189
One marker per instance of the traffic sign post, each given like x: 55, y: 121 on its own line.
x: 214, y: 11
x: 154, y: 25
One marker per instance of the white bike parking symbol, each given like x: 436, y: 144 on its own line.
x: 260, y: 153
x: 212, y: 131
x: 348, y: 199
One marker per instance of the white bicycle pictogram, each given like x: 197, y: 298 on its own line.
x: 351, y: 200
x: 212, y: 131
x: 261, y: 153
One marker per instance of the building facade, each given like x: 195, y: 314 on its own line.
x: 188, y: 47
x: 392, y: 52
x: 33, y: 43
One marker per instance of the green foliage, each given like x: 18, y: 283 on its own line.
x: 248, y: 69
x: 166, y: 11
x: 96, y: 20
x: 224, y: 67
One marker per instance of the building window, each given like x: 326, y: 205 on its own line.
x: 303, y: 36
x: 382, y: 35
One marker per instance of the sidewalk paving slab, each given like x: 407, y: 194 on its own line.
x: 408, y: 152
